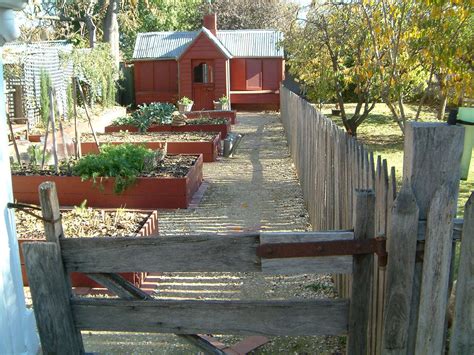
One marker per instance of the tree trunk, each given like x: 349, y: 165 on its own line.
x: 91, y: 29
x: 443, y: 97
x: 111, y: 30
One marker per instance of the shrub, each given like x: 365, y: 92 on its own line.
x: 45, y: 104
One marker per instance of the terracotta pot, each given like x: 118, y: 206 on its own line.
x: 80, y: 280
x: 223, y: 129
x: 146, y: 193
x: 209, y: 149
x: 35, y: 138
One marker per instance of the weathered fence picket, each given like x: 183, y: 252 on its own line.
x: 462, y: 341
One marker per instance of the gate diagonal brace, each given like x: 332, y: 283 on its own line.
x: 326, y: 248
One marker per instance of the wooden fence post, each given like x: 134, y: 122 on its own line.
x: 401, y: 247
x: 432, y: 159
x: 462, y: 340
x: 362, y: 274
x: 49, y: 283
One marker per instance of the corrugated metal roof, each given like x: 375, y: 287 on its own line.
x: 252, y: 43
x: 239, y: 43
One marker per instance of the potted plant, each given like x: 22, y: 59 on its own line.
x: 222, y: 104
x: 185, y: 104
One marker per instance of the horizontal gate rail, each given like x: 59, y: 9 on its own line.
x: 279, y: 318
x: 203, y: 253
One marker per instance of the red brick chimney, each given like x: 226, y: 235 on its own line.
x: 210, y: 22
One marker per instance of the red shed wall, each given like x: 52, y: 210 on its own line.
x: 255, y: 82
x: 156, y: 81
x: 202, y: 48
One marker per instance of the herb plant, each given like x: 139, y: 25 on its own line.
x: 124, y: 162
x: 185, y: 101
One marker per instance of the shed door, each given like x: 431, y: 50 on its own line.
x: 203, y: 84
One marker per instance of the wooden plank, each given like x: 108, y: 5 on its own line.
x: 315, y: 265
x: 432, y: 158
x: 121, y: 287
x: 51, y: 299
x: 362, y: 276
x: 280, y: 318
x: 125, y: 290
x: 203, y: 253
x: 436, y: 267
x: 462, y: 339
x: 457, y: 229
x: 401, y: 248
x: 432, y: 155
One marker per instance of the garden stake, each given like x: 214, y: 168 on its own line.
x: 76, y: 132
x: 53, y: 131
x: 17, y: 153
x: 87, y: 114
x: 66, y: 155
x: 45, y: 142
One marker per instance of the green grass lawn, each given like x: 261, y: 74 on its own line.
x: 383, y: 137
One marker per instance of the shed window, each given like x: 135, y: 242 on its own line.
x: 254, y: 74
x: 203, y: 73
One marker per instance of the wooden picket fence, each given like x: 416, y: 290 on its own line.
x: 331, y: 165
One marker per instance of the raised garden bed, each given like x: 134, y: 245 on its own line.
x: 232, y: 115
x: 85, y: 223
x: 171, y: 185
x: 203, y: 143
x: 223, y: 126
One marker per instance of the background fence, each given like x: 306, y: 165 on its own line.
x: 331, y: 165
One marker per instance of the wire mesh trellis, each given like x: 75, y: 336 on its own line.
x: 34, y: 58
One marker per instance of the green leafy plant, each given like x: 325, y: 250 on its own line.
x: 224, y: 100
x: 45, y: 104
x: 146, y: 115
x: 124, y: 162
x: 35, y: 153
x: 185, y: 101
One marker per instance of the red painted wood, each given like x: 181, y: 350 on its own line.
x: 209, y: 150
x: 156, y: 81
x: 255, y: 98
x: 146, y: 193
x: 223, y: 129
x: 254, y: 74
x: 237, y: 74
x: 80, y: 280
x: 271, y: 74
x: 200, y: 50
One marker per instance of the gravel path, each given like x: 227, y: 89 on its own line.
x: 256, y: 190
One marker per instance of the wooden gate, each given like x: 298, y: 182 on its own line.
x: 60, y: 317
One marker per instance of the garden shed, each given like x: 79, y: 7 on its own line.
x: 247, y: 66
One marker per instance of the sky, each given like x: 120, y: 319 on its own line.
x: 302, y: 3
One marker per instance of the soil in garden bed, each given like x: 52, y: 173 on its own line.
x: 85, y: 222
x: 134, y: 137
x: 172, y: 166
